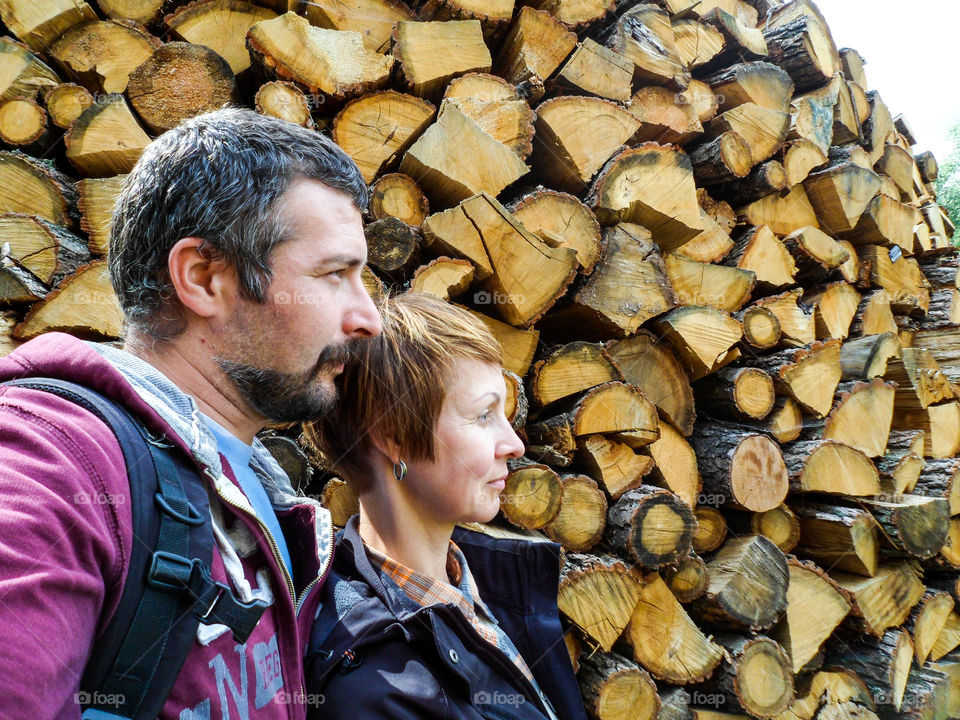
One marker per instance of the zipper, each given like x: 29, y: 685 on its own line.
x: 266, y: 533
x: 317, y: 580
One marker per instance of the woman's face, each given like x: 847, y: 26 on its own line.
x: 472, y: 443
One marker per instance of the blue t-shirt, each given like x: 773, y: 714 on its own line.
x: 239, y: 454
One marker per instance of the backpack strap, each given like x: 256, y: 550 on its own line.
x: 169, y: 589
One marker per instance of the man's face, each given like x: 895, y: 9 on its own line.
x: 283, y: 355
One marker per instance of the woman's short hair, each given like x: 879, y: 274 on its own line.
x: 395, y: 387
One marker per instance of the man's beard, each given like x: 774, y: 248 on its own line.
x: 289, y: 397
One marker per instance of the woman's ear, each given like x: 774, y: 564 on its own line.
x: 389, y: 447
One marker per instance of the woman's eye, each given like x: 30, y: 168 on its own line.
x: 485, y: 417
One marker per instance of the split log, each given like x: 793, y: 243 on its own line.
x: 534, y: 47
x: 582, y: 518
x: 815, y: 607
x: 866, y: 357
x: 222, y: 26
x: 644, y: 36
x: 920, y: 382
x: 764, y: 254
x: 761, y: 328
x: 779, y: 525
x: 31, y: 187
x: 663, y: 117
x: 340, y: 499
x: 179, y: 80
x: 425, y: 70
x: 515, y: 405
x: 719, y: 286
x: 838, y: 537
x: 19, y: 286
x: 571, y: 369
x: 574, y: 138
x: 443, y: 277
x: 650, y: 185
x: 46, y: 250
x: 500, y: 113
x: 874, y: 316
x: 703, y: 100
x: 940, y: 424
x: 877, y: 127
x: 519, y: 346
x: 861, y: 417
x: 884, y: 600
x: 739, y: 393
x: 284, y: 100
x: 373, y: 19
x: 702, y: 337
x: 697, y: 42
x: 940, y: 479
x: 782, y: 215
x: 628, y: 286
x: 675, y: 464
x: 520, y: 277
x: 809, y: 375
x: 761, y: 83
x: 885, y: 222
x: 785, y: 421
x: 593, y: 69
x: 711, y: 529
x: 742, y: 40
x: 949, y: 637
x: 100, y: 55
x: 763, y: 129
x: 748, y: 585
x: 841, y: 193
x: 801, y: 44
x: 39, y: 26
x: 665, y: 640
x: 83, y: 304
x: 332, y: 63
x: 814, y: 252
x: 615, y: 687
x: 834, y: 309
x: 650, y: 526
x: 883, y: 663
x: 561, y: 220
x: 926, y: 622
x: 106, y: 139
x: 24, y: 74
x: 598, y: 593
x: 912, y: 524
x: 651, y: 366
x: 615, y: 465
x: 812, y: 115
x: 449, y: 175
x: 838, y: 694
x: 756, y: 677
x: 740, y: 468
x: 830, y: 467
x: 688, y: 579
x: 800, y: 159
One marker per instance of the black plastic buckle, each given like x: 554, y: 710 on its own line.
x: 169, y: 571
x: 227, y: 609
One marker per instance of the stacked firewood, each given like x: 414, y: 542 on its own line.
x: 726, y: 295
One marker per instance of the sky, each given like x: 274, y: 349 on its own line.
x: 912, y: 50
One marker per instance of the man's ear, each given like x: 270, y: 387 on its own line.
x: 205, y: 284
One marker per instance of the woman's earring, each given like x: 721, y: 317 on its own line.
x: 399, y: 470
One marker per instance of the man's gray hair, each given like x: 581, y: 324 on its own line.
x: 219, y: 177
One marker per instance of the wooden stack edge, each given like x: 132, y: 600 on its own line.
x: 724, y: 289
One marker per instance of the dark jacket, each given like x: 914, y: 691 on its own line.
x: 375, y: 653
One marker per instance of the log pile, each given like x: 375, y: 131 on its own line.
x: 726, y: 295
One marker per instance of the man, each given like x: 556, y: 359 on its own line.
x: 236, y: 253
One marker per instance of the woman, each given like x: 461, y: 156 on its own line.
x: 421, y: 619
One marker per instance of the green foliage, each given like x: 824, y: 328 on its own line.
x: 948, y: 178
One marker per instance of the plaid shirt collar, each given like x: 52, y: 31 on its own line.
x: 424, y: 590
